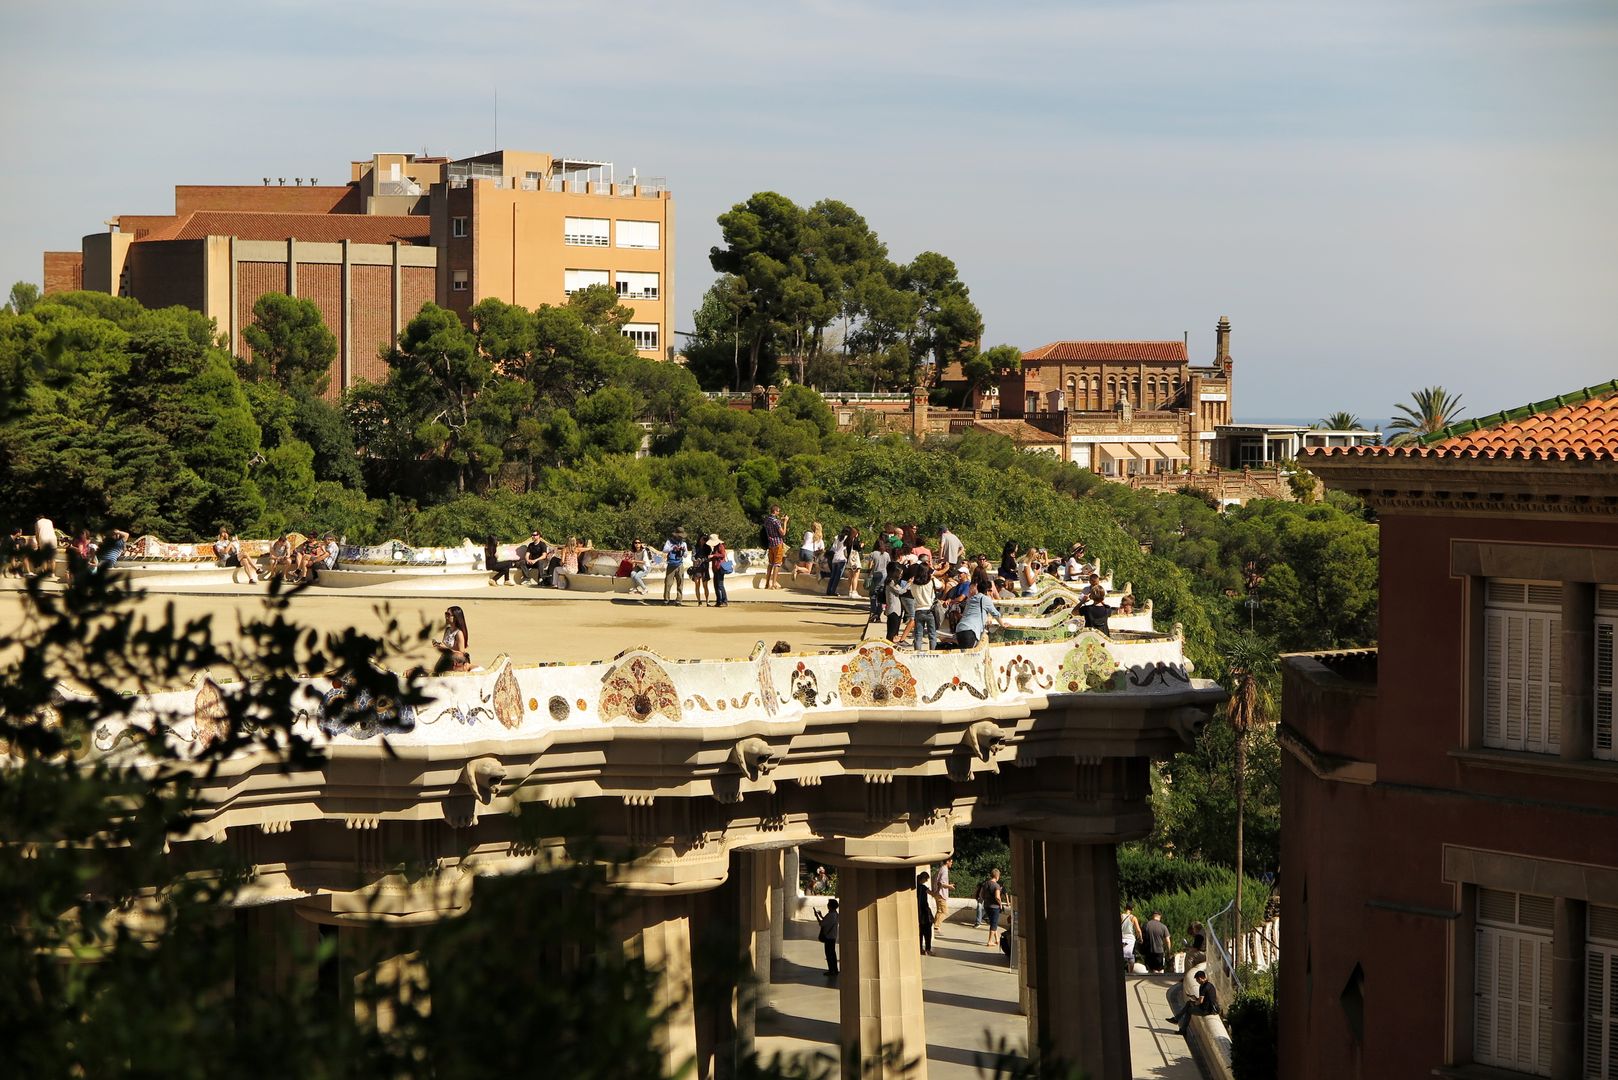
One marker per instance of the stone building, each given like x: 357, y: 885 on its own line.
x: 1450, y: 853
x: 405, y: 230
x: 1125, y: 408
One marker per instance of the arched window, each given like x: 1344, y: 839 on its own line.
x: 1084, y: 391
x: 1136, y: 395
x: 1112, y: 392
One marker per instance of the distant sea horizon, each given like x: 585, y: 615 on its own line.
x: 1369, y: 423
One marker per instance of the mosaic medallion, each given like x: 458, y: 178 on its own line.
x: 638, y: 689
x: 876, y: 677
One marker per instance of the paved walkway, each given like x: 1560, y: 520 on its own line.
x: 971, y: 1001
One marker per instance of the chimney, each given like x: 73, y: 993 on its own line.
x: 1222, y: 341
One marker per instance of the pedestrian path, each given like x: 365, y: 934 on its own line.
x: 971, y: 1001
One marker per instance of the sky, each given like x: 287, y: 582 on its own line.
x: 1381, y: 195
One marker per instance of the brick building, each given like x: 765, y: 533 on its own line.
x: 1450, y: 799
x: 1125, y: 408
x: 405, y: 230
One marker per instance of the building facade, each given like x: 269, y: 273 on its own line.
x: 1125, y: 408
x: 1450, y: 853
x: 525, y: 228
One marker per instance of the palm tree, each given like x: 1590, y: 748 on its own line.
x: 1340, y: 421
x: 1252, y: 665
x: 1430, y: 410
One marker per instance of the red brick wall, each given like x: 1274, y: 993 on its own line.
x: 64, y: 271
x: 418, y: 285
x: 297, y: 200
x: 372, y: 329
x: 253, y: 280
x: 322, y: 283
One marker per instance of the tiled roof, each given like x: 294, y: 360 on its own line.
x: 1582, y: 426
x: 1018, y: 431
x: 318, y: 228
x: 1108, y: 350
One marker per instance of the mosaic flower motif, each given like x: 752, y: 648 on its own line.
x: 876, y: 677
x: 507, y: 699
x: 347, y: 710
x: 766, y: 687
x: 210, y: 715
x: 805, y: 686
x: 1087, y: 666
x: 638, y: 689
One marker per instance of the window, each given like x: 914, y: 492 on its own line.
x: 457, y: 280
x: 574, y: 280
x: 457, y: 227
x: 1522, y: 666
x: 638, y: 234
x: 587, y: 231
x: 644, y: 335
x: 637, y: 286
x: 1601, y: 992
x: 1511, y: 1022
x: 1606, y: 627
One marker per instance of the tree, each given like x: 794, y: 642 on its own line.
x: 1430, y: 409
x: 1340, y: 421
x: 984, y: 369
x: 290, y: 344
x: 24, y: 295
x: 1253, y: 671
x: 948, y: 324
x: 764, y: 252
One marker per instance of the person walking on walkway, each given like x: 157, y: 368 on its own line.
x: 941, y: 890
x: 719, y: 562
x: 1158, y: 943
x: 1129, y: 927
x: 828, y: 936
x: 994, y: 898
x: 924, y: 913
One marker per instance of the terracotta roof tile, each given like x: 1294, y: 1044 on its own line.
x: 1018, y: 431
x: 317, y: 228
x: 1576, y: 427
x: 1109, y: 350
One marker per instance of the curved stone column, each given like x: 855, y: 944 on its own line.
x: 880, y: 982
x: 1080, y: 1006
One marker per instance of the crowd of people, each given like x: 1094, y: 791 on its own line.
x: 34, y: 554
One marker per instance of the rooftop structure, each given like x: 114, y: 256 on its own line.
x: 1451, y: 796
x: 526, y: 228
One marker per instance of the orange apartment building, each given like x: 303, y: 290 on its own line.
x: 525, y: 228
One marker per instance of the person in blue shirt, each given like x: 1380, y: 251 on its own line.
x: 111, y: 550
x: 976, y: 610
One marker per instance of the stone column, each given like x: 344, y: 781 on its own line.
x: 1567, y: 988
x: 1080, y: 980
x: 1028, y: 875
x: 381, y: 975
x: 880, y: 972
x: 787, y: 906
x: 657, y: 929
x: 1578, y: 670
x: 761, y: 884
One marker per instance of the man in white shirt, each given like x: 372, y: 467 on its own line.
x: 951, y: 550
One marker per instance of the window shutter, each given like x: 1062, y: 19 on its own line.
x: 1484, y: 1009
x: 1542, y: 1005
x: 1604, y: 689
x: 1494, y: 679
x: 1601, y: 1011
x: 1516, y: 629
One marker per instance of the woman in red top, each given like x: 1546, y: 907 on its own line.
x: 718, y: 559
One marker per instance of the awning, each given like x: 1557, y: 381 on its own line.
x: 1171, y: 452
x: 1116, y: 451
x: 1146, y: 451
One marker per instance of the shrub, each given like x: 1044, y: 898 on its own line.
x: 1144, y: 873
x: 1181, y: 908
x: 1254, y: 1025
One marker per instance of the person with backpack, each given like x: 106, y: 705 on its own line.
x: 675, y: 551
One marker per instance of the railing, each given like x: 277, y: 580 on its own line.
x: 397, y: 187
x: 1221, y: 966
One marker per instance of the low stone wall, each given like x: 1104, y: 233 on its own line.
x: 1207, y: 1034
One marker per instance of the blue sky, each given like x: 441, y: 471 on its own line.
x: 1381, y: 195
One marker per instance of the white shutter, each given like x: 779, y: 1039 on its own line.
x: 1522, y: 661
x: 1601, y: 1011
x: 1516, y: 631
x: 1494, y: 678
x: 1485, y: 1030
x: 1511, y: 1017
x: 638, y: 234
x: 1542, y: 662
x: 1604, y: 689
x: 587, y: 232
x: 1541, y: 1063
x: 574, y: 280
x: 635, y: 285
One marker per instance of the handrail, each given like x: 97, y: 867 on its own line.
x: 1232, y: 983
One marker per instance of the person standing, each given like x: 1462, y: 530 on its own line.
x: 1158, y: 943
x: 951, y: 552
x: 976, y: 610
x: 921, y: 593
x: 44, y: 546
x: 455, y: 640
x: 1129, y: 928
x: 675, y: 551
x: 814, y: 542
x: 994, y: 898
x: 924, y: 913
x: 880, y: 558
x: 775, y: 545
x: 701, y: 572
x: 941, y: 890
x: 828, y: 936
x: 855, y: 550
x: 839, y: 562
x: 718, y: 561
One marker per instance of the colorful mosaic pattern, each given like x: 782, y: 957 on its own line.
x: 637, y: 689
x: 1087, y: 666
x: 347, y: 710
x: 507, y: 699
x: 877, y: 677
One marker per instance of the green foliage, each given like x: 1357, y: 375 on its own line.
x: 1144, y: 872
x: 1429, y: 410
x: 1194, y: 800
x: 1340, y: 421
x: 24, y: 295
x: 290, y: 343
x: 1198, y: 903
x: 1254, y: 1023
x: 977, y: 851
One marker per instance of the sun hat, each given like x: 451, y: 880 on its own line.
x: 713, y: 540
